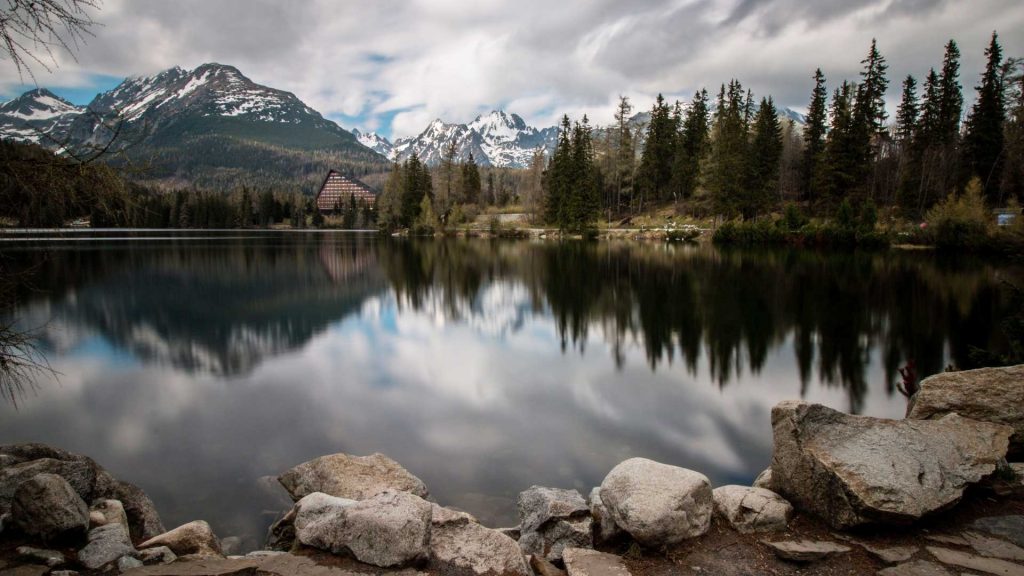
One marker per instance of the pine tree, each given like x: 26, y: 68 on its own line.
x: 843, y: 159
x: 869, y: 118
x: 446, y: 195
x: 244, y: 209
x: 692, y: 146
x: 559, y: 178
x: 470, y: 181
x: 951, y: 99
x: 583, y: 205
x: 906, y: 114
x: 983, y: 143
x: 624, y: 154
x: 416, y: 186
x: 761, y: 190
x: 654, y: 175
x: 727, y: 162
x: 814, y: 136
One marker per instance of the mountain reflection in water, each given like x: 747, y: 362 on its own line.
x: 196, y: 365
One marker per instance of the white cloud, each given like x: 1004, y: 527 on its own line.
x: 425, y: 59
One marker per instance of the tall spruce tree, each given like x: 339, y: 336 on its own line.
x: 869, y: 117
x: 814, y: 136
x: 951, y: 99
x: 471, y: 185
x: 583, y: 204
x: 843, y: 152
x: 907, y: 112
x: 727, y: 161
x: 559, y: 180
x: 762, y: 181
x: 692, y: 146
x: 654, y: 175
x: 624, y: 151
x: 983, y: 143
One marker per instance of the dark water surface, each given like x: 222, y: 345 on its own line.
x: 195, y: 363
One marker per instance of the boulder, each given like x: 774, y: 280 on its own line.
x: 542, y: 567
x: 605, y: 529
x: 389, y: 529
x: 281, y: 534
x: 105, y: 512
x: 764, y: 480
x: 352, y: 477
x: 106, y: 545
x: 855, y: 470
x: 582, y: 562
x: 994, y: 547
x: 656, y: 503
x: 552, y: 519
x: 805, y: 550
x: 972, y: 562
x: 157, y: 555
x: 48, y: 507
x: 196, y: 537
x: 987, y: 394
x: 1010, y: 527
x: 459, y: 546
x: 125, y: 563
x: 88, y: 478
x: 752, y: 509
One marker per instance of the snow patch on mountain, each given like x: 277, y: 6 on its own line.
x: 34, y: 115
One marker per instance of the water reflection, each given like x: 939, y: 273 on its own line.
x: 195, y: 367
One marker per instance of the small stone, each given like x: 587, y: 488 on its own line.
x: 916, y: 568
x: 542, y: 567
x: 459, y: 545
x: 51, y: 558
x: 107, y: 511
x: 891, y: 554
x: 1009, y: 527
x: 125, y: 563
x: 106, y: 544
x: 584, y: 562
x: 157, y: 555
x: 752, y: 509
x: 995, y: 548
x: 606, y: 528
x: 552, y: 519
x: 196, y: 537
x: 805, y: 550
x: 972, y: 562
x: 764, y: 480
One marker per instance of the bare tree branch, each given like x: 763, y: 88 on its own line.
x: 31, y: 30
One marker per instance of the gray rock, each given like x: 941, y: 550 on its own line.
x: 105, y: 512
x: 48, y: 507
x: 764, y: 480
x: 805, y: 550
x: 513, y: 532
x: 752, y: 509
x: 916, y: 568
x: 352, y: 477
x: 605, y: 529
x: 196, y: 538
x: 583, y: 562
x: 281, y: 534
x: 854, y: 470
x: 80, y: 474
x: 552, y: 519
x: 125, y: 563
x: 459, y: 546
x: 656, y: 503
x: 51, y: 558
x: 987, y: 394
x: 891, y: 554
x: 390, y: 529
x: 994, y: 547
x: 972, y: 562
x: 143, y: 519
x: 106, y: 545
x: 157, y: 555
x: 1009, y: 527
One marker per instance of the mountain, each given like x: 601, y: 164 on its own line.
x: 36, y: 115
x: 210, y: 127
x: 495, y: 139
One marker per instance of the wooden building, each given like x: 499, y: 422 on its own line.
x: 337, y: 188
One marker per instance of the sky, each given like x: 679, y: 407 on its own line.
x: 392, y: 66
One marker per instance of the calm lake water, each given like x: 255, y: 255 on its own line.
x: 196, y: 364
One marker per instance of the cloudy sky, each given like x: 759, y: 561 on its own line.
x: 394, y: 65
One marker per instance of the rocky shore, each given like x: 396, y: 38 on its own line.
x: 932, y: 494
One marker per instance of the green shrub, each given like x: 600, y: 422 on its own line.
x: 961, y: 222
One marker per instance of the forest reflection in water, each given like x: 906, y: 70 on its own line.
x: 197, y: 363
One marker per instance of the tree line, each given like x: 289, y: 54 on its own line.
x: 736, y: 158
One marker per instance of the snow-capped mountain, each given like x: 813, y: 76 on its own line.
x: 35, y: 116
x: 375, y: 142
x: 495, y: 139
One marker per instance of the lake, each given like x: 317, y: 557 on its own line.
x: 196, y: 364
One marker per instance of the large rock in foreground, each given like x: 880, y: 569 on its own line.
x: 656, y: 503
x: 352, y: 477
x: 853, y: 470
x: 20, y: 462
x: 459, y: 546
x: 48, y: 507
x: 390, y: 529
x: 106, y: 544
x: 552, y: 519
x: 987, y: 394
x: 752, y: 509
